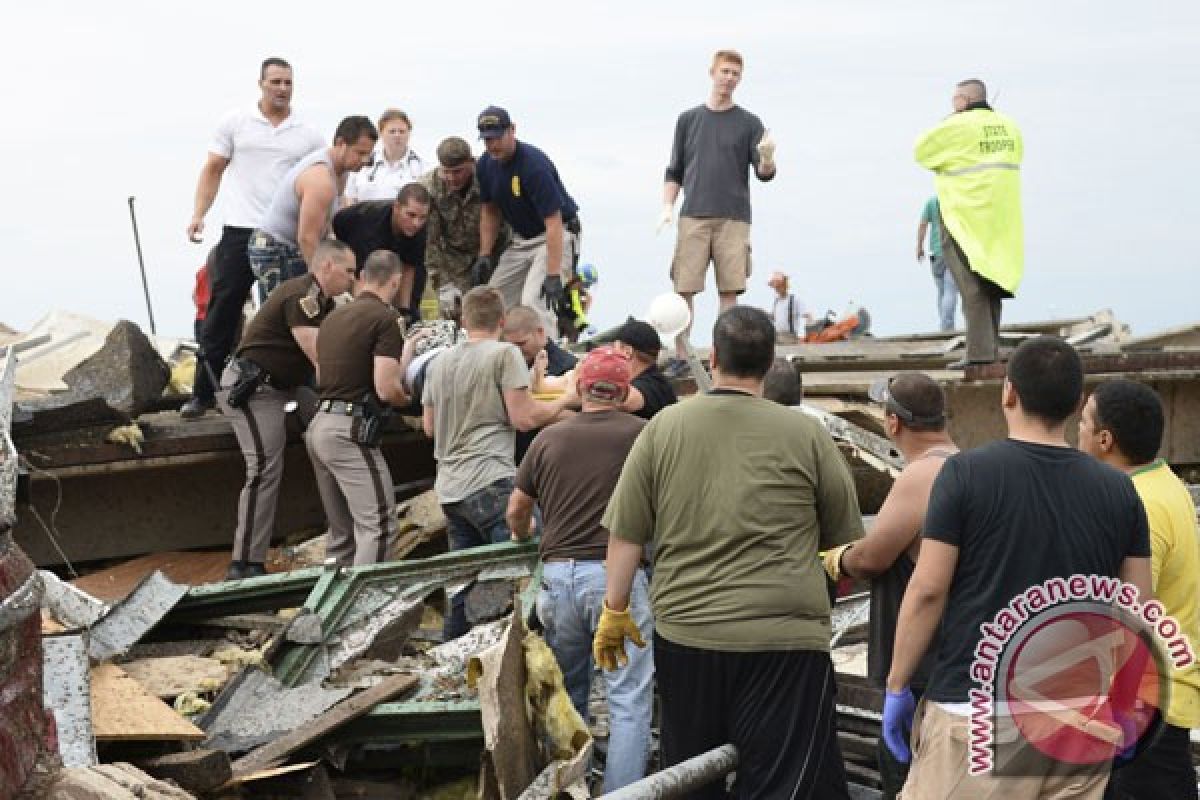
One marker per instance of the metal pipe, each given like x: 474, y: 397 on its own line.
x: 137, y: 240
x: 681, y: 779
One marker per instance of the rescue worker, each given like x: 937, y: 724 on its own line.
x: 914, y: 409
x: 737, y: 495
x: 519, y: 185
x: 573, y: 493
x: 976, y: 156
x: 359, y: 356
x: 1122, y: 425
x: 453, y: 228
x: 397, y: 225
x: 274, y: 362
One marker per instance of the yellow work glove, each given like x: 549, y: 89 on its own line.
x: 833, y: 561
x: 608, y: 646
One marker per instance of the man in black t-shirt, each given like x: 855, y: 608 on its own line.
x: 650, y: 391
x: 1004, y: 520
x: 397, y: 226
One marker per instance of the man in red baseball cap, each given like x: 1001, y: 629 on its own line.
x: 573, y: 493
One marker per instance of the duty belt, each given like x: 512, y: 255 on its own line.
x: 342, y: 407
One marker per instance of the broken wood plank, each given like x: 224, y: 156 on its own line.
x: 274, y: 753
x: 194, y: 770
x: 171, y: 676
x: 192, y: 569
x: 123, y: 711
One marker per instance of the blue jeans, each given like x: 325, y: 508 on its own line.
x: 947, y: 293
x: 273, y: 262
x: 476, y: 520
x: 569, y: 606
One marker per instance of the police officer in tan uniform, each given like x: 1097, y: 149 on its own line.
x: 274, y: 360
x: 359, y: 357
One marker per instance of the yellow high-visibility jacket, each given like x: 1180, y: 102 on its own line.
x: 976, y: 155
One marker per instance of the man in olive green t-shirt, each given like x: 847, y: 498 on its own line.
x: 737, y: 495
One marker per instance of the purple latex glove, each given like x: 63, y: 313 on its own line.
x: 898, y: 710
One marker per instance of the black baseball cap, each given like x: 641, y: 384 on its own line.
x: 639, y: 335
x: 493, y: 122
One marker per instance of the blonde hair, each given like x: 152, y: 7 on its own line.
x: 721, y: 55
x: 482, y: 309
x: 394, y: 114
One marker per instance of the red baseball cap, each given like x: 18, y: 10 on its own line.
x: 604, y: 374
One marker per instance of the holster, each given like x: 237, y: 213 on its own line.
x: 250, y: 377
x: 375, y: 414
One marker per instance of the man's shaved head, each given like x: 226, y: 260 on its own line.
x: 974, y: 90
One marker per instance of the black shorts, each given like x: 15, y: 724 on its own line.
x: 777, y: 708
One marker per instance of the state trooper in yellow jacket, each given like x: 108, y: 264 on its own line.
x: 273, y: 362
x: 359, y: 359
x: 976, y: 155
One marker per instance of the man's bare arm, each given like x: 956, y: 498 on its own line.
x: 898, y: 524
x: 316, y: 192
x: 554, y: 243
x: 1138, y: 571
x: 489, y: 227
x: 620, y: 566
x: 635, y: 401
x: 670, y: 193
x: 519, y: 515
x: 206, y: 192
x: 921, y: 610
x: 921, y: 229
x: 527, y: 414
x: 427, y: 420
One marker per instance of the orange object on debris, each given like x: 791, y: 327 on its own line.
x: 838, y: 330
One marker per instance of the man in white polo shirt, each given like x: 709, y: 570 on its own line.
x: 251, y: 150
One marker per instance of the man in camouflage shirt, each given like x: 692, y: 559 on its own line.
x: 453, y: 228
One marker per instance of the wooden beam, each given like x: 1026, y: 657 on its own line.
x: 273, y: 754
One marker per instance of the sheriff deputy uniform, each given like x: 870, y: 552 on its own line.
x: 268, y: 371
x: 352, y: 475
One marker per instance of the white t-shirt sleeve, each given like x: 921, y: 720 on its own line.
x: 223, y: 136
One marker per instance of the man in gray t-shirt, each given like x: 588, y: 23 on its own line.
x: 476, y: 397
x: 715, y: 146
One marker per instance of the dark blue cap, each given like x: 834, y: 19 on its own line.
x: 493, y: 122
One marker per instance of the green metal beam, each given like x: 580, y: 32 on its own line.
x: 308, y: 586
x: 415, y: 722
x: 334, y: 594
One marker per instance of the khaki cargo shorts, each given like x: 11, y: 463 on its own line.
x: 724, y: 242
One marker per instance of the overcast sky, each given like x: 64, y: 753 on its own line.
x: 109, y: 100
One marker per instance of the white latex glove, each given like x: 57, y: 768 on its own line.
x: 666, y: 217
x: 766, y: 150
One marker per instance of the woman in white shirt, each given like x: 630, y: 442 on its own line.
x: 393, y: 163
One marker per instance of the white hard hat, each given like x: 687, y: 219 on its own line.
x: 669, y: 315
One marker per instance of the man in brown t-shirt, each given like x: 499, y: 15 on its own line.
x: 361, y: 357
x: 573, y: 493
x: 274, y: 360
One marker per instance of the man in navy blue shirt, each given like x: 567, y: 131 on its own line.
x: 519, y: 184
